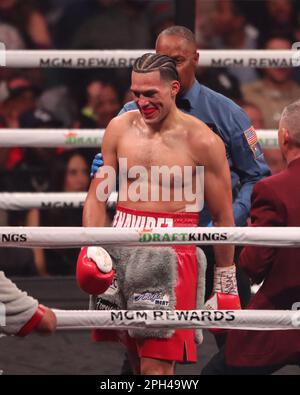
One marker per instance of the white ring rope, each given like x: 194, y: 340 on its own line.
x: 125, y: 58
x: 80, y: 138
x: 68, y: 138
x: 73, y: 237
x: 29, y: 200
x: 180, y: 319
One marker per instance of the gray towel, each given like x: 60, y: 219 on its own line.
x: 146, y: 279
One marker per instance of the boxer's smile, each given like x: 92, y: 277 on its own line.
x: 148, y: 111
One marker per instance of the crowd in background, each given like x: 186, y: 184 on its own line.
x: 68, y: 98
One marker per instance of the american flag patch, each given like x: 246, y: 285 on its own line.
x: 252, y: 140
x: 251, y: 136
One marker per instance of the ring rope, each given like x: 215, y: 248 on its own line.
x: 80, y: 138
x: 180, y: 319
x: 46, y: 200
x: 125, y: 58
x: 73, y: 237
x: 68, y: 138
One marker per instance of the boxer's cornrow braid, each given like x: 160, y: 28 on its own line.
x: 151, y: 62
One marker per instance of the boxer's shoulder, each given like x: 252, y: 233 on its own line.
x: 120, y: 124
x: 199, y: 133
x: 128, y: 118
x: 203, y: 142
x: 195, y: 126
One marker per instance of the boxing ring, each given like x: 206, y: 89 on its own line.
x: 64, y: 237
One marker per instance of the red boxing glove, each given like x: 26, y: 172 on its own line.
x: 225, y: 295
x: 33, y: 322
x: 94, y: 270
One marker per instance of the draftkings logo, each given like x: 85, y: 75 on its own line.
x: 13, y: 237
x: 147, y: 236
x: 72, y: 138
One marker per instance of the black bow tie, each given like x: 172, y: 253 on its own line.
x: 183, y: 104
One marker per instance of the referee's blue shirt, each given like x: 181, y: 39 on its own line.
x: 245, y: 157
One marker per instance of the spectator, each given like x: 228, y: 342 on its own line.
x: 29, y: 22
x: 69, y: 174
x: 75, y: 14
x: 20, y: 97
x: 30, y: 166
x: 220, y: 81
x: 11, y: 37
x: 275, y: 202
x: 280, y: 19
x: 113, y: 28
x: 128, y: 96
x: 233, y: 32
x: 254, y: 113
x: 29, y: 174
x: 204, y: 22
x: 101, y: 105
x: 58, y: 100
x: 275, y: 90
x: 161, y: 15
x: 272, y: 155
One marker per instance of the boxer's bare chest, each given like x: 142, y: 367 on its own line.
x: 144, y: 149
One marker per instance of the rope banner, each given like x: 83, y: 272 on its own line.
x: 84, y: 138
x: 52, y: 138
x: 47, y: 200
x: 125, y: 58
x: 180, y: 319
x: 73, y: 237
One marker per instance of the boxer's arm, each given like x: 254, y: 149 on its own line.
x: 94, y: 211
x: 95, y: 275
x: 217, y: 190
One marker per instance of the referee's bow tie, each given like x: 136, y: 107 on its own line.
x: 183, y: 104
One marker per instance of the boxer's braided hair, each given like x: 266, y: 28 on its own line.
x: 151, y: 62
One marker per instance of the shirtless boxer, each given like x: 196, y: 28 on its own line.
x: 159, y: 134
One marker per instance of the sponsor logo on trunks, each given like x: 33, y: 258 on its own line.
x: 126, y: 220
x: 2, y: 54
x: 150, y: 237
x: 151, y: 298
x: 72, y: 138
x: 154, y: 184
x: 2, y: 314
x: 13, y: 237
x: 103, y: 304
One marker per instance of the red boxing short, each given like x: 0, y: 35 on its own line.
x: 181, y: 345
